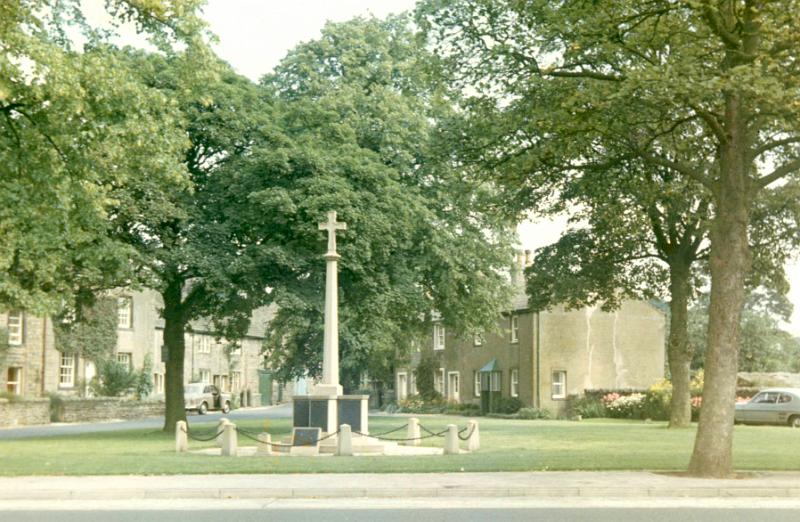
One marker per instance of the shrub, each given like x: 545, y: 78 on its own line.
x: 624, y: 406
x: 56, y: 408
x: 587, y: 406
x: 533, y: 414
x: 657, y: 401
x: 113, y: 379
x: 508, y: 405
x: 144, y: 378
x: 424, y: 373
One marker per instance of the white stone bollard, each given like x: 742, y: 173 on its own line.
x: 474, y: 440
x: 181, y: 437
x: 230, y: 440
x: 264, y: 446
x: 451, y: 440
x: 344, y: 442
x: 413, y: 432
x: 220, y: 429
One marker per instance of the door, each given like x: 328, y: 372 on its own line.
x: 265, y: 387
x: 453, y: 386
x: 764, y: 407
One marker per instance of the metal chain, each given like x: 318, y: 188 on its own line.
x: 387, y: 432
x: 201, y: 439
x: 471, y: 431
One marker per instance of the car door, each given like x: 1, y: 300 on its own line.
x: 765, y: 408
x: 787, y: 404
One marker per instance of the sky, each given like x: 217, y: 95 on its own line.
x: 255, y: 34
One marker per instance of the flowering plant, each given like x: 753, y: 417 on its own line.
x: 624, y: 406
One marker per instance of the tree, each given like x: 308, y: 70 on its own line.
x: 360, y: 120
x: 72, y: 119
x: 706, y: 89
x: 633, y: 236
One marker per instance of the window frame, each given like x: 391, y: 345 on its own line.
x: 16, y: 383
x: 16, y: 333
x: 438, y: 378
x: 127, y: 306
x: 125, y: 358
x: 204, y: 371
x: 558, y: 383
x: 477, y: 339
x: 513, y: 383
x: 450, y: 393
x: 439, y: 337
x: 62, y: 383
x: 514, y: 328
x: 476, y: 384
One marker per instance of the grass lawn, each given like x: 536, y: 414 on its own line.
x: 506, y: 445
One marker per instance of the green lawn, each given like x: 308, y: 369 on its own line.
x: 507, y: 445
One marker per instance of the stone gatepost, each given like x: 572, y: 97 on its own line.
x: 413, y: 432
x: 474, y: 440
x: 264, y: 446
x: 230, y: 440
x: 451, y: 440
x: 344, y: 443
x: 223, y: 421
x: 181, y: 437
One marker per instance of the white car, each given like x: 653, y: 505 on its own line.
x: 203, y: 397
x: 772, y: 406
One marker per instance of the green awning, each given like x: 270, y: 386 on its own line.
x: 491, y: 366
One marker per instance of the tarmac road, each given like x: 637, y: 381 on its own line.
x: 281, y: 411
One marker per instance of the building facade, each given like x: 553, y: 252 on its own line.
x: 33, y: 366
x: 542, y: 357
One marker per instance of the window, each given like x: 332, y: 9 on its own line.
x: 225, y: 384
x: 204, y: 344
x: 236, y: 381
x: 125, y: 359
x: 438, y: 380
x: 438, y: 337
x: 125, y: 312
x: 514, y: 328
x: 158, y: 382
x: 495, y: 381
x: 476, y: 384
x: 477, y: 340
x: 559, y: 386
x: 14, y: 381
x: 514, y: 383
x: 66, y: 372
x: 412, y: 384
x: 453, y: 385
x: 402, y: 385
x: 15, y: 328
x: 205, y: 376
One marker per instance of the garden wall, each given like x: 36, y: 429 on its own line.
x: 24, y: 412
x: 67, y: 409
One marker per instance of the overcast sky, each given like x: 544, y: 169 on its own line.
x: 255, y: 34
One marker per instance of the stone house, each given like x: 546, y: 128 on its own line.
x: 34, y: 367
x: 542, y: 357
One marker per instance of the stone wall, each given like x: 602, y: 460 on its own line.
x: 24, y: 412
x: 107, y: 408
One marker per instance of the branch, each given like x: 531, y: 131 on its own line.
x: 773, y: 144
x: 682, y: 168
x: 717, y: 25
x: 585, y: 74
x: 783, y: 170
x: 711, y: 119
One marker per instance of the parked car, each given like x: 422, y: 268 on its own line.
x: 203, y: 397
x: 772, y: 406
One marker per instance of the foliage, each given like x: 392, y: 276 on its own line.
x: 624, y: 406
x: 360, y: 122
x: 424, y: 375
x: 72, y: 119
x: 533, y: 414
x: 420, y: 404
x: 3, y: 344
x: 91, y: 331
x: 56, y: 407
x: 144, y: 378
x: 113, y: 379
x: 586, y: 405
x: 507, y: 405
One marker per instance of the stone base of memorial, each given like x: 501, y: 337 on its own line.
x: 328, y: 412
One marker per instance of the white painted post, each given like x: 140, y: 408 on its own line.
x: 451, y: 440
x: 220, y: 429
x: 181, y: 437
x: 413, y: 432
x: 344, y: 442
x: 230, y: 440
x: 264, y: 446
x: 474, y: 440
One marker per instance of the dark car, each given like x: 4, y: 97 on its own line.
x: 203, y: 397
x: 772, y: 406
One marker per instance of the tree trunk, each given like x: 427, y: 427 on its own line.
x: 174, y: 325
x: 729, y: 261
x: 679, y: 351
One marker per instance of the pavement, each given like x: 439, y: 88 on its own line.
x: 550, y: 484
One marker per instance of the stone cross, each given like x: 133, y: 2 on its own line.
x: 332, y: 226
x: 330, y: 355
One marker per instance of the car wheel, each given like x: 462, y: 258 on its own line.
x: 794, y: 421
x: 226, y: 407
x: 203, y: 409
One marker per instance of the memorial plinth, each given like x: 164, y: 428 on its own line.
x: 326, y: 408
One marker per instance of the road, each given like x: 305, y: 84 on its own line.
x: 269, y: 412
x: 428, y: 510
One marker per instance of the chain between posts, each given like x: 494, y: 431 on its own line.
x: 471, y: 431
x: 201, y: 439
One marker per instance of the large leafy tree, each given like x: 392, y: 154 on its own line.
x: 73, y: 122
x: 632, y: 236
x: 705, y: 88
x: 360, y: 120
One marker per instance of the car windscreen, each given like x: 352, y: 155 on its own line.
x: 193, y: 388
